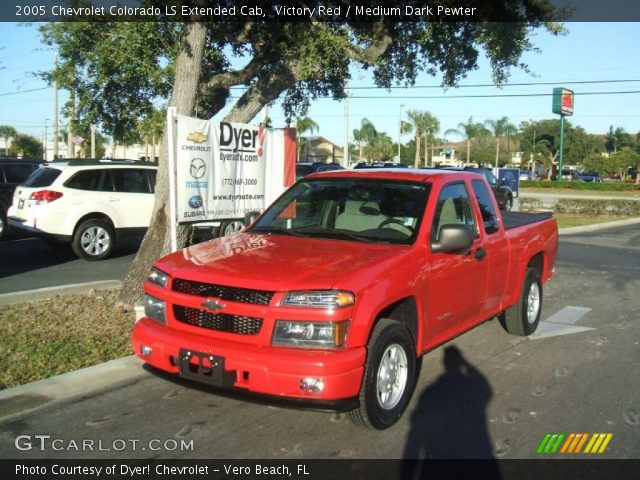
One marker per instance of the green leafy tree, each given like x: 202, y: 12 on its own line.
x: 7, y: 132
x: 26, y: 146
x: 365, y: 135
x: 499, y: 128
x: 424, y: 125
x: 381, y: 148
x: 469, y: 131
x: 120, y: 71
x: 304, y: 125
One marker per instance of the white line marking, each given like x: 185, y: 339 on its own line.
x: 561, y: 323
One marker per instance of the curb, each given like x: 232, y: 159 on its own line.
x: 43, y: 293
x: 17, y: 401
x: 596, y: 227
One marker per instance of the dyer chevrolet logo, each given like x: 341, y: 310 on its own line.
x: 213, y: 305
x: 197, y: 137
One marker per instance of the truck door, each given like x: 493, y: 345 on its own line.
x: 456, y: 280
x: 496, y: 247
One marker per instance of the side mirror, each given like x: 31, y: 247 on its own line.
x: 453, y: 238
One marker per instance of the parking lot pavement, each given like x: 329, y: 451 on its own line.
x: 485, y: 394
x: 29, y: 263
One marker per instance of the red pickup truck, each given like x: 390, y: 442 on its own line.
x: 338, y: 289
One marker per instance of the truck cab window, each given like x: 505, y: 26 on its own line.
x: 454, y: 207
x: 489, y: 216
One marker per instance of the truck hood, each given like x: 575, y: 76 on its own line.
x: 278, y: 262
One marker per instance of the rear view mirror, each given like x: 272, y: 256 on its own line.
x: 452, y: 238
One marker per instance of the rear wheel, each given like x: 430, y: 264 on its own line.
x: 523, y: 318
x: 93, y: 240
x: 389, y: 376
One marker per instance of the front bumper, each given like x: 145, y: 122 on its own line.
x: 267, y: 370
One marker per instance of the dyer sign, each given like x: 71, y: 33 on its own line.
x: 227, y: 170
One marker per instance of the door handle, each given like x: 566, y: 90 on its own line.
x: 480, y: 254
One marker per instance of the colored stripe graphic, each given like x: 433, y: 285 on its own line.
x: 573, y: 443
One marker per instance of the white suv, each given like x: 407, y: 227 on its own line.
x: 90, y: 204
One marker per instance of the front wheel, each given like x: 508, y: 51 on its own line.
x: 231, y: 227
x: 389, y: 376
x: 522, y: 318
x: 93, y: 240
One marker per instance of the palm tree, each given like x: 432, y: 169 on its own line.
x: 365, y: 135
x: 7, y: 132
x: 499, y: 128
x: 469, y: 131
x: 425, y: 125
x: 304, y: 125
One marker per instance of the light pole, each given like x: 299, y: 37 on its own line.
x: 46, y: 140
x: 400, y: 131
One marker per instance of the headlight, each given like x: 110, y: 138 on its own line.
x: 158, y: 277
x: 319, y: 299
x: 155, y: 308
x: 322, y: 335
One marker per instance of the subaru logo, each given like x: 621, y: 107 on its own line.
x: 198, y: 168
x: 195, y: 201
x: 213, y: 305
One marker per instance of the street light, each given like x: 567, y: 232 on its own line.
x: 400, y: 131
x: 46, y: 140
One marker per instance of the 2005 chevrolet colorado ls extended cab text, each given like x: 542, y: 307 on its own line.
x: 338, y: 289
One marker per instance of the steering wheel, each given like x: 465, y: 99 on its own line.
x: 398, y: 222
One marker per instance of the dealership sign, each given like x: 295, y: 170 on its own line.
x: 228, y: 170
x: 562, y: 101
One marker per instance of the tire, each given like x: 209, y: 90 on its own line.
x: 390, y: 350
x: 230, y: 227
x: 522, y: 319
x: 93, y: 240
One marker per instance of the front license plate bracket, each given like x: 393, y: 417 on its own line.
x: 205, y: 368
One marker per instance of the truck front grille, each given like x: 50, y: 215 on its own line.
x: 235, y: 294
x: 221, y: 322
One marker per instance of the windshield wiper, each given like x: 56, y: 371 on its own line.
x: 338, y: 233
x: 283, y: 231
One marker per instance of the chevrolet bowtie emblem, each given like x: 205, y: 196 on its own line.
x: 213, y: 305
x: 197, y: 137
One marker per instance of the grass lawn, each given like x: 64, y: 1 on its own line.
x: 44, y: 338
x: 577, y: 220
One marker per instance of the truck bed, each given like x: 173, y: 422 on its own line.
x: 517, y: 219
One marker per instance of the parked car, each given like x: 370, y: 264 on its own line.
x: 90, y: 205
x: 13, y: 171
x: 526, y: 175
x: 503, y: 194
x: 333, y: 305
x: 380, y: 165
x: 305, y: 168
x: 567, y: 175
x: 589, y: 177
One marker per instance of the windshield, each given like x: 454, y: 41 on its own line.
x: 362, y: 210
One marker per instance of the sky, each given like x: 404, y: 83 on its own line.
x: 590, y: 52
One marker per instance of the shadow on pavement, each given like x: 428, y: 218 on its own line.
x: 450, y: 419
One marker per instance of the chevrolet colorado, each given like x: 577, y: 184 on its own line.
x: 338, y: 289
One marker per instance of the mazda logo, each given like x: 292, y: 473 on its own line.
x: 198, y: 168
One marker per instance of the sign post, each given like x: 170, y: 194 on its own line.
x: 563, y: 106
x: 171, y: 115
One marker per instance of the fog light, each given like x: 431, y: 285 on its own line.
x: 146, y: 351
x: 313, y: 385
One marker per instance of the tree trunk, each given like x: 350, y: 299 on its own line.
x: 417, y: 160
x: 468, y: 150
x: 497, y: 150
x: 426, y: 152
x: 157, y: 241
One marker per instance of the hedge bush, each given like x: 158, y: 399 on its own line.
x: 601, y: 186
x: 585, y: 206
